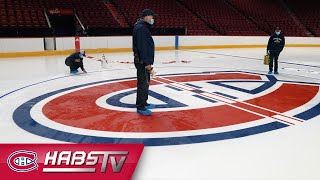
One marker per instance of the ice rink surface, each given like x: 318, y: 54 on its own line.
x: 201, y: 129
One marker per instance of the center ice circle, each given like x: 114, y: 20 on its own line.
x: 73, y: 115
x: 81, y: 108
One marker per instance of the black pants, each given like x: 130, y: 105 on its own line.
x: 74, y: 65
x: 143, y: 80
x: 274, y: 55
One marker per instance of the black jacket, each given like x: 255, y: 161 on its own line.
x: 71, y: 60
x: 143, y: 45
x: 74, y: 56
x: 276, y: 43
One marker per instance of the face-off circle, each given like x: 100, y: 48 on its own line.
x: 190, y: 108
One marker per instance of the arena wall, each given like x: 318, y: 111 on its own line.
x: 15, y: 47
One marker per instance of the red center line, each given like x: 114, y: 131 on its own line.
x: 247, y: 109
x: 278, y: 113
x: 250, y: 111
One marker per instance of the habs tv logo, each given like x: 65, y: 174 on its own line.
x: 99, y: 161
x: 80, y: 161
x: 23, y: 161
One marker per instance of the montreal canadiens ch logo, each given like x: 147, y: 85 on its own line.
x: 23, y: 161
x: 190, y: 108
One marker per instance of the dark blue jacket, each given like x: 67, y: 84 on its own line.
x: 143, y: 45
x: 74, y: 56
x: 276, y: 43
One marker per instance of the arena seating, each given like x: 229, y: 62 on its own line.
x: 198, y: 17
x: 268, y: 15
x: 171, y: 15
x: 308, y: 13
x: 29, y: 13
x: 221, y: 15
x: 21, y: 14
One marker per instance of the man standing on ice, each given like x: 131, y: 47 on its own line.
x: 143, y: 49
x: 275, y: 46
x: 75, y: 61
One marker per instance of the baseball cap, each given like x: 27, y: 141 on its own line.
x: 148, y: 12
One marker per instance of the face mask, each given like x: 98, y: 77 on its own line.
x: 277, y: 33
x: 151, y: 21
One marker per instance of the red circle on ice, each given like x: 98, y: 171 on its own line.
x: 79, y: 108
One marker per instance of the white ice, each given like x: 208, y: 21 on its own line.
x: 285, y: 154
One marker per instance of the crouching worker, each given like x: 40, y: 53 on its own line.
x: 75, y: 61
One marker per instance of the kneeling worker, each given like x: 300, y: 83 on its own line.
x: 75, y: 61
